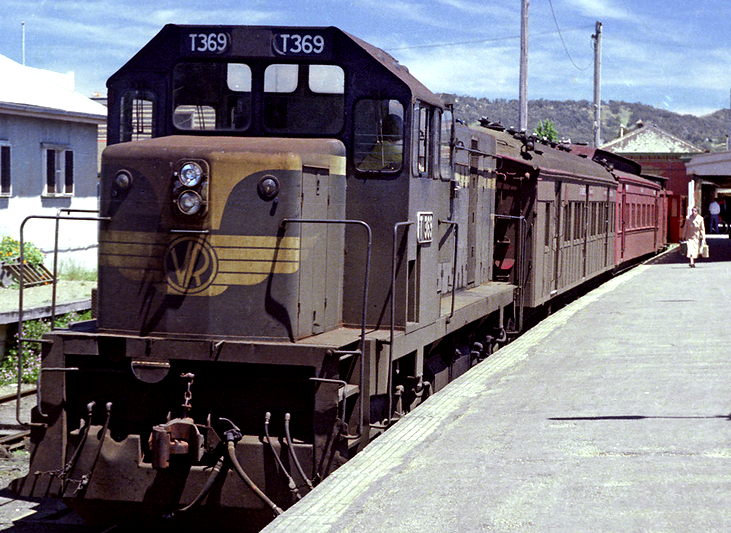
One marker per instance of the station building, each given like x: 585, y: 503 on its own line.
x: 49, y: 160
x: 662, y: 154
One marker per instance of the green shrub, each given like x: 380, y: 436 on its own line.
x: 10, y: 251
x: 73, y: 271
x: 33, y: 329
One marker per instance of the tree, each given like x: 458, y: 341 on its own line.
x: 546, y: 130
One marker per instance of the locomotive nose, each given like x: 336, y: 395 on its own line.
x: 196, y: 229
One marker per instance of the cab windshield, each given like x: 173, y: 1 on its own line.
x: 297, y: 98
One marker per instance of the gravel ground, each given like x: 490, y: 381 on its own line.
x: 16, y: 465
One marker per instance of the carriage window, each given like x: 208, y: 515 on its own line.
x: 212, y: 96
x: 304, y: 99
x: 137, y: 112
x: 379, y: 135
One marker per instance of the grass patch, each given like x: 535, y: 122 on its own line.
x: 70, y: 270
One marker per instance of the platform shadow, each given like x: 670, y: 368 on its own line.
x: 639, y: 417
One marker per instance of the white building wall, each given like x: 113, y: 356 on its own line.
x: 26, y: 135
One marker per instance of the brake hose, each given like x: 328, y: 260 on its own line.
x: 292, y: 453
x: 292, y: 485
x: 231, y: 446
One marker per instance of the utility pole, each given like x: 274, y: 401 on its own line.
x: 22, y: 37
x: 597, y: 84
x: 523, y: 97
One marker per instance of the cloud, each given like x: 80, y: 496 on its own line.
x: 601, y: 9
x: 465, y: 70
x: 481, y: 8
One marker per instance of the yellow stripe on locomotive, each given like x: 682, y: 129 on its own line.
x: 205, y: 266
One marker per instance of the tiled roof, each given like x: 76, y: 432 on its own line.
x: 649, y: 139
x: 27, y: 90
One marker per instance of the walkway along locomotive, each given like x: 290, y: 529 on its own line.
x: 298, y: 245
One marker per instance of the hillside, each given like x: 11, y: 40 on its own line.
x: 574, y: 119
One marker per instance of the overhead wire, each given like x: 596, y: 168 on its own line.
x: 555, y: 20
x: 476, y: 41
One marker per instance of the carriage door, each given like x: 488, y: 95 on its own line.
x: 561, y: 217
x: 472, y: 215
x: 313, y: 253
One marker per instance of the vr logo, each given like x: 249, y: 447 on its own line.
x: 191, y: 265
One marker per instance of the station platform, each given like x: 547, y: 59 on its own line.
x: 612, y: 415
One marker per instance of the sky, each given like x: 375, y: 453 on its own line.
x: 670, y: 54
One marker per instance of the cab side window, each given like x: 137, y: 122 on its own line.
x: 379, y: 135
x: 137, y: 115
x: 445, y: 146
x: 426, y: 131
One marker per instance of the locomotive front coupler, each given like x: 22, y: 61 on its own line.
x: 182, y: 436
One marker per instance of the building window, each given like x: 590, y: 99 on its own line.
x: 59, y: 170
x: 4, y: 169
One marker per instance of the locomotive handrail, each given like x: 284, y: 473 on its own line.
x: 67, y: 210
x: 392, y: 332
x: 344, y: 385
x: 39, y: 394
x: 454, y: 264
x: 191, y: 231
x: 365, y: 296
x: 21, y: 280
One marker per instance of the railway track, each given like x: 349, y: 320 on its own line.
x: 16, y: 440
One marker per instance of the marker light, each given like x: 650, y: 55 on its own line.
x: 268, y: 187
x: 123, y: 180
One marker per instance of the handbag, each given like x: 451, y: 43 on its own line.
x: 704, y: 249
x: 683, y: 248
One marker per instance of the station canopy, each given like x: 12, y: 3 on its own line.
x: 713, y: 167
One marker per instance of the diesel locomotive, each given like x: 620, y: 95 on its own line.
x: 298, y: 244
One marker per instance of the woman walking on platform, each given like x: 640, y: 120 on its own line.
x: 694, y: 234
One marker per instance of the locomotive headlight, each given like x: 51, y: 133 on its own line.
x: 191, y: 174
x: 268, y: 187
x: 189, y: 202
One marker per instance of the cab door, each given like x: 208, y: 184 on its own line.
x: 313, y: 253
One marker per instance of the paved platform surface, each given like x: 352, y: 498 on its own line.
x: 613, y: 415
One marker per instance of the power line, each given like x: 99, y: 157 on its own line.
x: 555, y: 20
x: 477, y: 41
